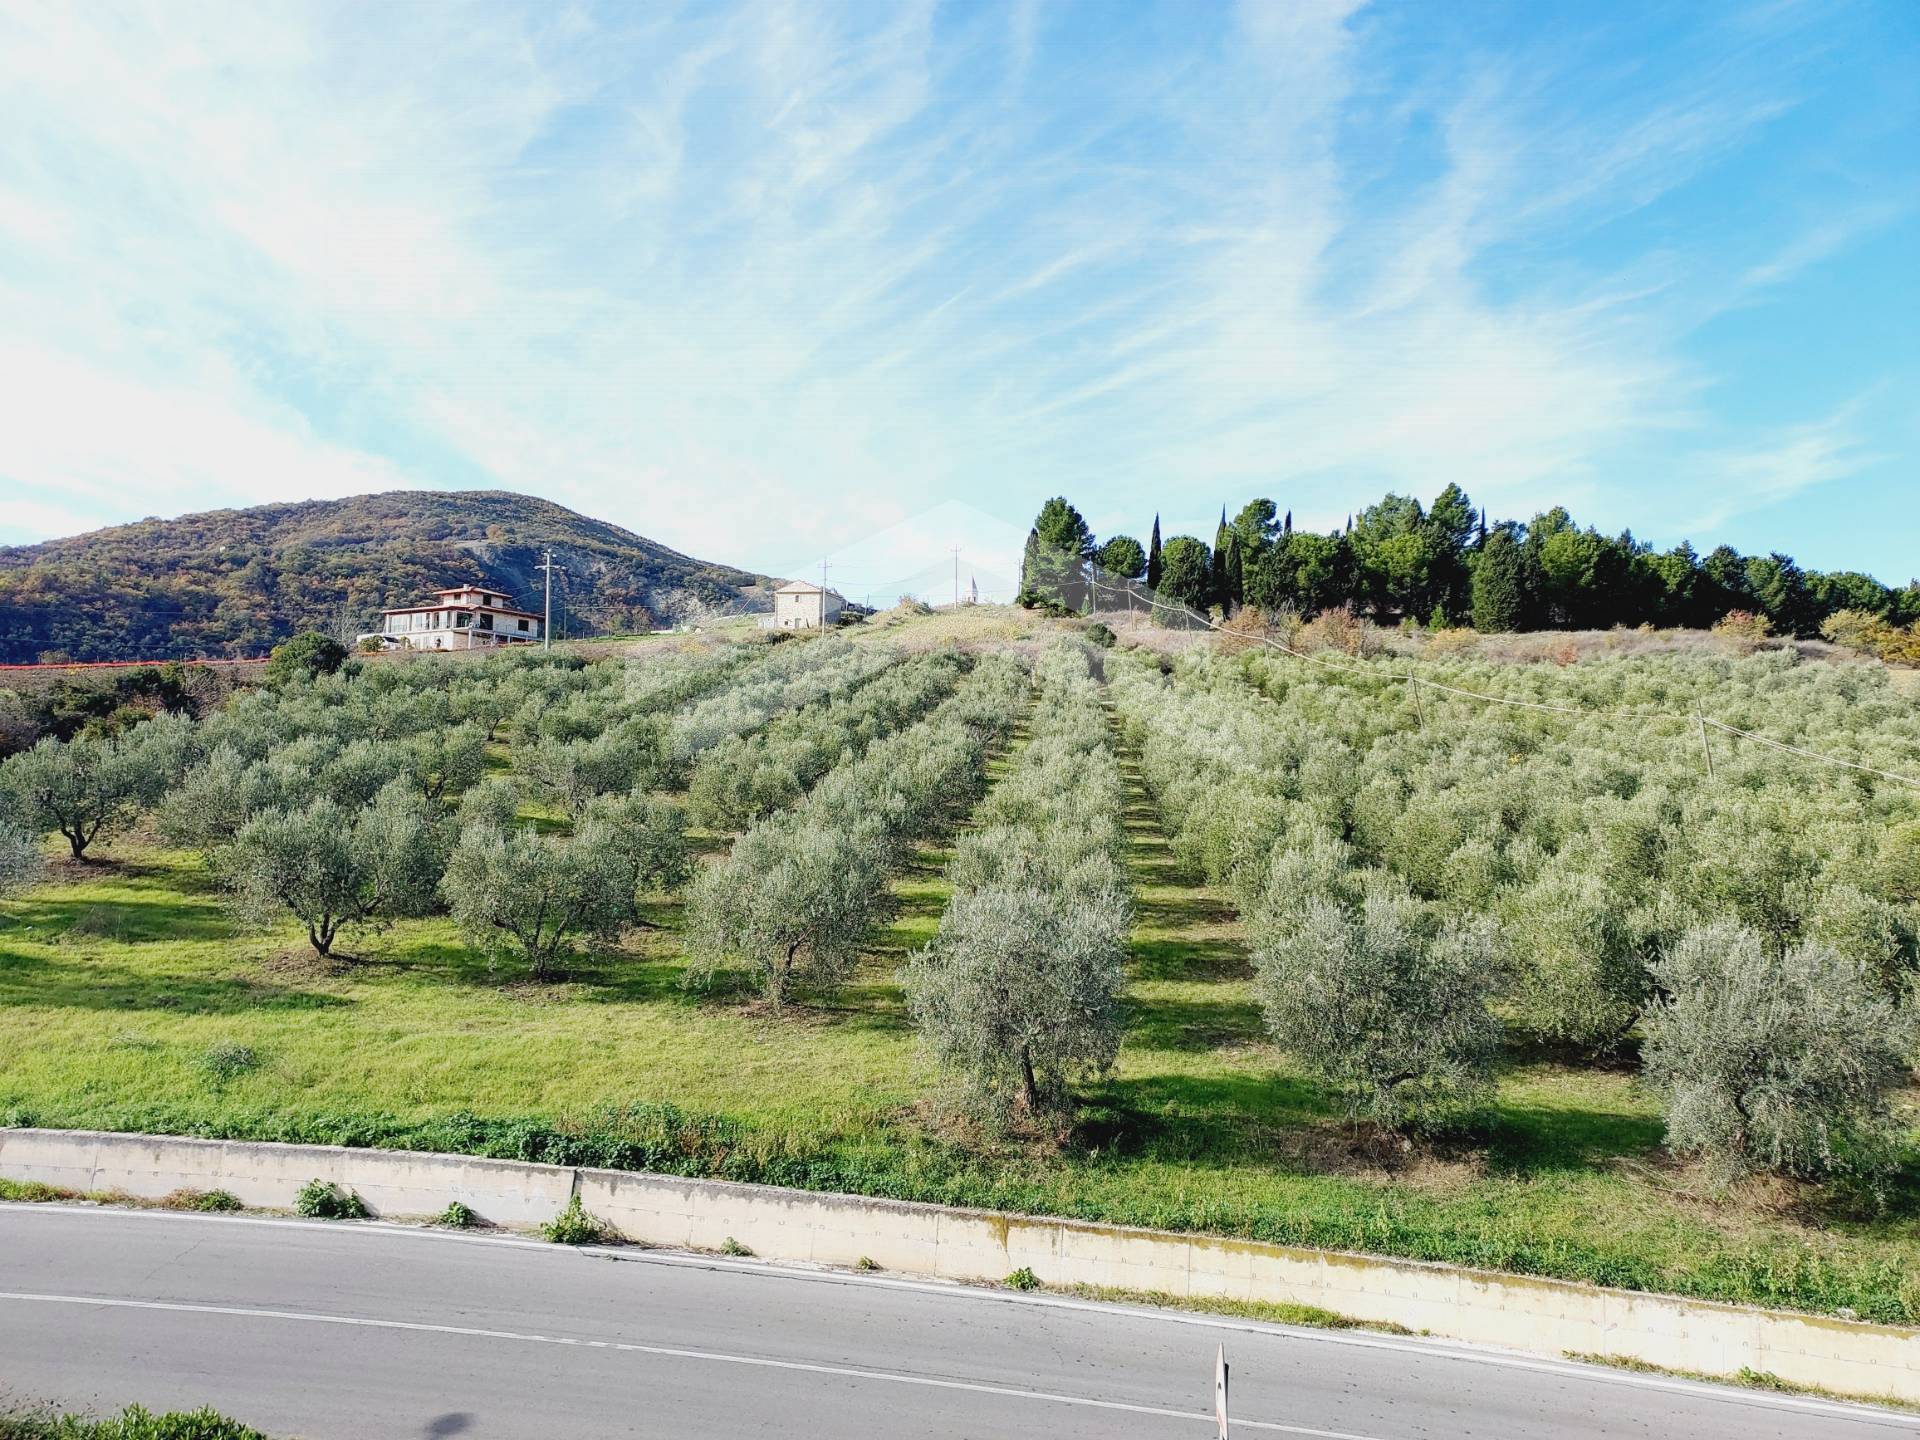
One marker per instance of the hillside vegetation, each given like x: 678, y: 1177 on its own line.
x: 235, y: 582
x: 1039, y: 921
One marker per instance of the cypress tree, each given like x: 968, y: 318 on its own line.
x: 1235, y: 590
x: 1221, y: 539
x: 1287, y: 529
x: 1499, y: 584
x: 1153, y: 557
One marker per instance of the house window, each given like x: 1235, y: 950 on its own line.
x: 462, y: 620
x: 486, y: 622
x: 523, y: 626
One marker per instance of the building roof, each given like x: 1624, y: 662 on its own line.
x: 474, y: 609
x: 798, y: 587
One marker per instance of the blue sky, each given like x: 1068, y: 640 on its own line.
x: 760, y: 280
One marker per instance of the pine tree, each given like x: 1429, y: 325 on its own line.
x: 1153, y: 557
x: 1499, y: 584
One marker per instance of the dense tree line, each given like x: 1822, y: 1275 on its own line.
x: 1445, y: 565
x: 1018, y: 995
x: 1419, y: 872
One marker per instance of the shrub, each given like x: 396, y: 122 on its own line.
x: 1023, y: 1279
x: 1100, y: 634
x: 731, y: 1246
x: 574, y: 1226
x: 133, y: 1423
x: 1744, y: 630
x: 325, y: 1200
x: 1386, y: 1005
x: 227, y: 1061
x: 457, y: 1216
x: 213, y: 1202
x: 1771, y: 1057
x: 304, y: 657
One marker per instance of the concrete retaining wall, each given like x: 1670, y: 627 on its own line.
x: 1548, y: 1317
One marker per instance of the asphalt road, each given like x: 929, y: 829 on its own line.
x: 362, y: 1332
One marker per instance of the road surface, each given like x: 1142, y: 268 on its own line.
x: 362, y: 1332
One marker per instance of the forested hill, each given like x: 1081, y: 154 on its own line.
x: 235, y: 582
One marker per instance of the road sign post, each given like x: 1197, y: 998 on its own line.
x: 1220, y: 1390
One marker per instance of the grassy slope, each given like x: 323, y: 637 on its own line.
x: 115, y: 980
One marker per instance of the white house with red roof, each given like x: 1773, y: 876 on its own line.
x: 466, y: 617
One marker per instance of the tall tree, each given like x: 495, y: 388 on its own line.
x: 1220, y: 596
x: 1187, y: 578
x: 1257, y: 529
x: 1499, y: 584
x: 1153, y: 557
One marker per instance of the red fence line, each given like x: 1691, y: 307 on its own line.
x: 131, y: 664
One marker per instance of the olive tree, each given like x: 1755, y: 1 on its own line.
x: 447, y: 759
x: 1386, y: 1005
x: 91, y: 786
x: 336, y: 869
x: 519, y: 896
x: 645, y: 839
x: 1019, y: 995
x: 1577, y: 976
x: 20, y: 859
x: 794, y: 902
x: 568, y: 774
x: 1772, y: 1057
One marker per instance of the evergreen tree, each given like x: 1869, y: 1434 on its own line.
x: 1154, y: 564
x: 1499, y: 583
x: 1220, y: 559
x: 1234, y: 591
x: 1188, y: 576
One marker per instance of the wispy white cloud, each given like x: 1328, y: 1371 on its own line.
x: 763, y: 277
x: 1784, y: 462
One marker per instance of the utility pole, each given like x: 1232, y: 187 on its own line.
x: 546, y: 623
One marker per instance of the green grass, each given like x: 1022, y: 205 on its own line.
x: 1273, y: 1312
x: 133, y: 1423
x: 118, y: 980
x: 1745, y: 1378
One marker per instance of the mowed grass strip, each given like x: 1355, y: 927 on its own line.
x: 118, y: 981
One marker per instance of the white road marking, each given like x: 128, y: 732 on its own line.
x: 891, y: 1377
x: 1434, y: 1348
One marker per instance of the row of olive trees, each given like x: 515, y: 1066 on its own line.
x: 747, y: 777
x: 1408, y: 888
x: 1019, y: 994
x: 795, y: 675
x: 801, y: 890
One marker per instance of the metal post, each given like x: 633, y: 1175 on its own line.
x: 1705, y: 748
